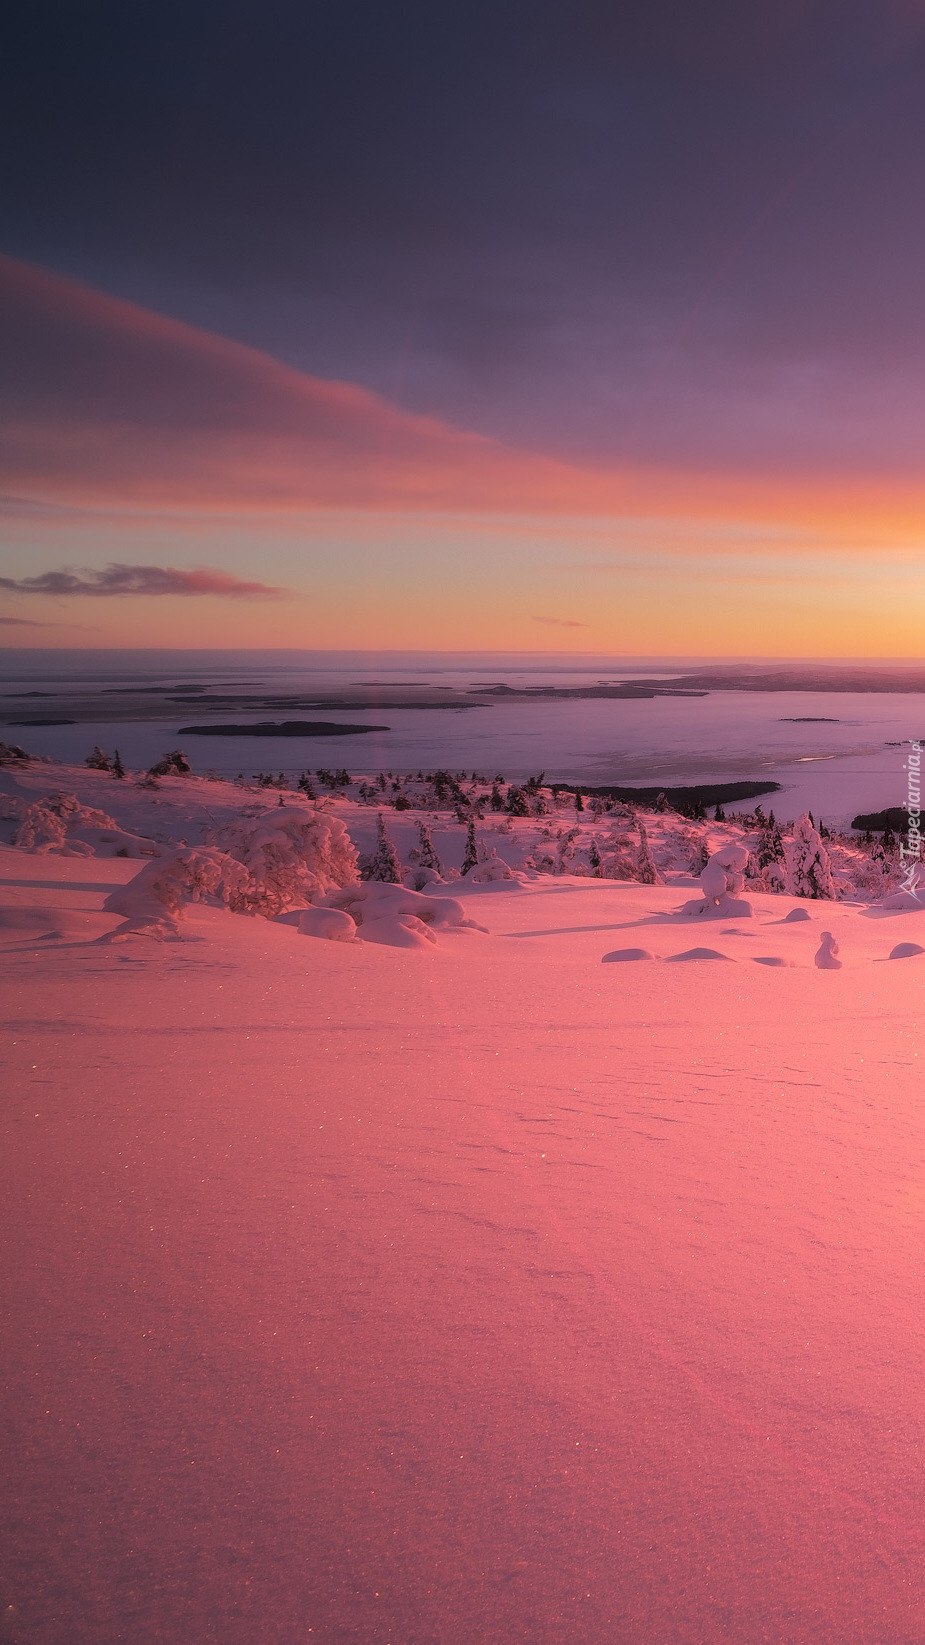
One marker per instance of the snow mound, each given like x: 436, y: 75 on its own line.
x: 419, y: 877
x: 627, y: 954
x: 58, y: 824
x: 399, y: 931
x: 906, y: 951
x: 698, y: 954
x: 294, y: 855
x: 330, y: 923
x: 903, y: 901
x: 397, y: 916
x: 492, y: 868
x: 795, y: 917
x: 771, y: 959
x: 727, y: 908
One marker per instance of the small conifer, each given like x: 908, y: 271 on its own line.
x: 471, y: 858
x: 427, y: 855
x: 383, y: 864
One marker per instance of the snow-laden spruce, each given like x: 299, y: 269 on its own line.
x: 809, y: 871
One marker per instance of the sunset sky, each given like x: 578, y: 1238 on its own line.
x: 594, y: 327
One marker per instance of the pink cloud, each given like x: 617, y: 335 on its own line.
x: 105, y: 403
x: 136, y: 579
x: 559, y: 622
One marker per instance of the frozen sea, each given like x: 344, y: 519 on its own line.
x: 835, y: 753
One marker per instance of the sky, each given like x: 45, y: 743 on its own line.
x: 507, y: 326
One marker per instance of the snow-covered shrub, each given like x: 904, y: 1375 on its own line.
x: 293, y: 856
x: 721, y: 880
x: 809, y: 871
x: 490, y: 869
x: 724, y: 874
x: 826, y: 956
x: 174, y: 764
x: 152, y: 902
x: 618, y: 865
x: 58, y: 823
x: 41, y: 830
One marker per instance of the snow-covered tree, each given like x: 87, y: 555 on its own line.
x: 770, y: 846
x: 594, y: 860
x: 383, y: 864
x: 646, y: 871
x: 809, y: 871
x: 471, y: 857
x: 566, y: 850
x: 98, y: 761
x: 517, y: 803
x: 118, y: 769
x: 427, y: 854
x: 293, y: 855
x: 700, y: 856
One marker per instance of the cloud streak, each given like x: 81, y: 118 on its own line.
x: 559, y: 622
x: 118, y: 579
x: 105, y: 405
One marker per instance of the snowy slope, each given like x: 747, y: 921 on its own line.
x: 493, y: 1291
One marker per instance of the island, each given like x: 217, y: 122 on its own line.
x: 284, y: 728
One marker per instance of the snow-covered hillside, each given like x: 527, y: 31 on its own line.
x: 555, y: 1279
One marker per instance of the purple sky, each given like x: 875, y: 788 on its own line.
x: 651, y: 241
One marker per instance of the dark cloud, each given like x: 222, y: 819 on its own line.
x: 135, y: 579
x: 619, y: 228
x: 25, y: 622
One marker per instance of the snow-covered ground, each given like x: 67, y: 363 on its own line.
x: 544, y: 1282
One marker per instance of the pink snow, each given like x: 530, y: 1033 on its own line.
x: 470, y: 1294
